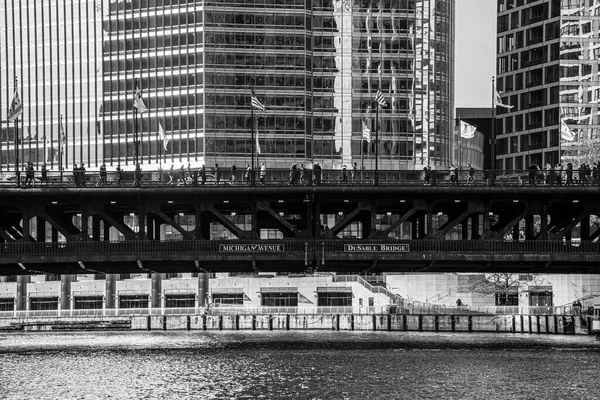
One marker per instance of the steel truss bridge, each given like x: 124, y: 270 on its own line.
x: 399, y: 225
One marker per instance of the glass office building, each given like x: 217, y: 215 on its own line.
x: 548, y: 69
x: 315, y: 65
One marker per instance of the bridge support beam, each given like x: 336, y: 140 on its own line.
x: 40, y: 227
x: 110, y: 290
x: 65, y: 291
x: 156, y: 290
x: 203, y: 279
x: 95, y: 228
x: 21, y: 298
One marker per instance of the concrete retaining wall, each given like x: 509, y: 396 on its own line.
x: 530, y: 324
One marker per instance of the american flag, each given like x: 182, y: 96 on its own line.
x: 256, y: 103
x: 380, y: 99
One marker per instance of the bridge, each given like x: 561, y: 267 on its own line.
x: 496, y: 222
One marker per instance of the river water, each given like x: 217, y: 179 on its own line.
x: 297, y: 365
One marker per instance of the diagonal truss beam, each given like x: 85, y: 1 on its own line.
x: 418, y: 206
x: 264, y: 206
x: 226, y: 222
x: 344, y: 222
x: 155, y: 209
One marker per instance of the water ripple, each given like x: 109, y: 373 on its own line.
x: 297, y: 365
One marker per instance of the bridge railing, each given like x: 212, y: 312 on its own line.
x: 427, y: 245
x: 308, y: 177
x: 308, y: 247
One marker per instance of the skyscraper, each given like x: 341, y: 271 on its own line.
x: 315, y: 65
x: 547, y: 67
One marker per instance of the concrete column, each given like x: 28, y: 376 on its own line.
x: 65, y: 291
x: 156, y: 280
x: 203, y: 279
x: 110, y: 290
x: 21, y: 298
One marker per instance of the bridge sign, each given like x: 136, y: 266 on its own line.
x: 251, y: 248
x: 377, y: 248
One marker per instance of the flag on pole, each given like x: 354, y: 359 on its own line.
x: 163, y: 136
x: 63, y: 138
x: 257, y: 143
x: 467, y: 131
x: 566, y: 134
x: 256, y: 104
x: 16, y: 107
x: 380, y: 99
x: 366, y: 131
x: 138, y: 103
x: 498, y: 101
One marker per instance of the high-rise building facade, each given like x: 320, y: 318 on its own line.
x: 315, y: 65
x: 548, y: 70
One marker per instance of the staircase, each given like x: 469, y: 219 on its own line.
x: 372, y: 288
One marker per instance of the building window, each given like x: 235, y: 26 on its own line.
x: 279, y: 299
x: 133, y: 301
x: 7, y: 304
x: 504, y: 299
x: 88, y: 302
x: 540, y: 299
x: 185, y: 300
x: 228, y: 299
x: 43, y: 303
x: 335, y: 299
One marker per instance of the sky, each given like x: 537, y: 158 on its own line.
x: 475, y: 52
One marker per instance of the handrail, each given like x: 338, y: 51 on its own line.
x: 368, y: 286
x: 308, y: 177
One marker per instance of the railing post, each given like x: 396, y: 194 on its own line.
x: 374, y: 322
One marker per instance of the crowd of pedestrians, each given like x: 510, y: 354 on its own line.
x: 299, y: 175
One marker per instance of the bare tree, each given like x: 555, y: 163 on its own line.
x: 582, y: 151
x: 503, y: 284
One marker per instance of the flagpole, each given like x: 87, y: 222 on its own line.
x: 60, y: 144
x: 376, y: 143
x: 252, y: 137
x: 493, y: 135
x: 459, y: 142
x: 17, y: 142
x: 160, y: 153
x: 17, y: 152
